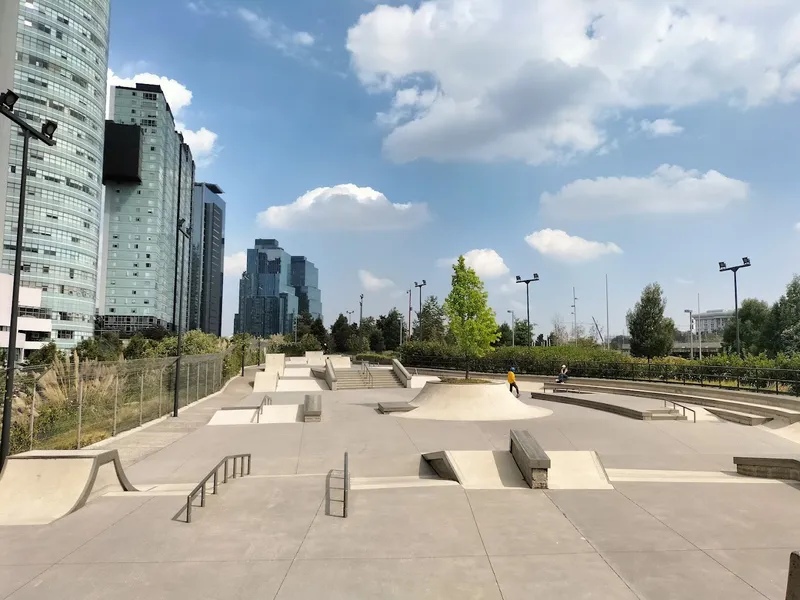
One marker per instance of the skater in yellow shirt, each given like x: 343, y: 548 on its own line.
x: 512, y: 382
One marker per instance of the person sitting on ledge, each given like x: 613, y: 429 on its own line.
x: 562, y: 377
x: 512, y: 382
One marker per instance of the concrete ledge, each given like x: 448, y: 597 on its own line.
x: 442, y: 465
x: 595, y: 404
x: 531, y: 459
x: 785, y: 468
x: 390, y: 407
x: 793, y: 581
x: 312, y: 408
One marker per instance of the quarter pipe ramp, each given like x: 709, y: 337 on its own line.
x: 38, y: 487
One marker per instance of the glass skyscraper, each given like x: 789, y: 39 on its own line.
x: 59, y: 72
x: 275, y: 288
x: 208, y: 257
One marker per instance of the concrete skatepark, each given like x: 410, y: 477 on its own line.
x: 649, y: 509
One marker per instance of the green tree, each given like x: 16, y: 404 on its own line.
x: 138, y: 347
x: 522, y: 335
x: 358, y: 344
x: 651, y: 333
x: 104, y: 347
x: 391, y: 326
x: 309, y: 343
x: 46, y: 355
x: 340, y: 334
x: 539, y: 340
x: 376, y: 341
x: 305, y: 324
x: 780, y: 332
x: 504, y: 336
x: 318, y: 331
x: 753, y: 317
x: 430, y: 324
x: 472, y: 321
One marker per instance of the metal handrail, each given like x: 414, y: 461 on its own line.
x: 685, y: 408
x: 345, y: 489
x: 265, y: 401
x: 201, y: 487
x: 366, y: 374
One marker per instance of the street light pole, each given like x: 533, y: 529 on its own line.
x: 723, y: 267
x: 420, y: 286
x: 7, y: 102
x: 513, y: 327
x: 575, y: 316
x: 184, y: 233
x: 528, y: 301
x: 691, y: 334
x: 361, y: 311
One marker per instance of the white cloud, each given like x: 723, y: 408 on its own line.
x: 236, y: 264
x: 660, y: 127
x: 797, y: 226
x: 275, y: 34
x: 682, y: 281
x: 537, y: 80
x: 667, y: 190
x: 569, y: 248
x: 344, y: 207
x: 406, y: 104
x: 203, y: 141
x: 486, y: 262
x: 371, y: 283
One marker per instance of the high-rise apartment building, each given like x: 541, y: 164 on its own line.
x: 275, y: 288
x: 142, y: 245
x: 208, y: 257
x: 59, y: 65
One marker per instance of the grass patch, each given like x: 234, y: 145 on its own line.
x: 462, y: 381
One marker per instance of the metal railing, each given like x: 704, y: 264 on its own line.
x: 214, y: 473
x: 366, y: 374
x: 768, y: 380
x: 265, y: 401
x: 345, y: 489
x: 685, y: 408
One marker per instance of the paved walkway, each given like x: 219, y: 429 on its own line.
x: 268, y: 535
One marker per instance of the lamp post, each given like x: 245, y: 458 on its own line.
x: 7, y: 101
x: 350, y: 314
x: 420, y: 286
x: 361, y: 311
x: 575, y: 316
x: 528, y: 300
x: 691, y: 334
x: 723, y: 267
x: 513, y: 326
x: 185, y: 233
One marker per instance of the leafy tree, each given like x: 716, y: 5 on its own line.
x: 105, y: 347
x: 753, y: 317
x: 46, y: 355
x: 539, y: 340
x: 391, y: 326
x: 779, y: 334
x: 430, y: 324
x: 318, y: 331
x: 340, y: 334
x: 559, y: 335
x: 472, y: 321
x: 138, y: 347
x: 157, y: 333
x: 523, y: 335
x: 376, y: 341
x: 358, y: 344
x: 504, y: 336
x: 305, y: 323
x: 309, y: 343
x: 651, y: 333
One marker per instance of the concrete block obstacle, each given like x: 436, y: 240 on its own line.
x: 531, y: 459
x: 793, y: 581
x: 39, y: 487
x: 784, y: 468
x: 390, y: 407
x: 312, y: 408
x: 584, y: 400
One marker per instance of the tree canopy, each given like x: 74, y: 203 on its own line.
x: 651, y: 333
x: 753, y: 316
x: 472, y: 321
x: 430, y: 324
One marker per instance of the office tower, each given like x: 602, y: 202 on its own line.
x: 34, y: 327
x: 208, y: 257
x: 275, y: 288
x: 59, y: 72
x: 142, y: 244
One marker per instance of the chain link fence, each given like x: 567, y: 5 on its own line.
x: 73, y: 404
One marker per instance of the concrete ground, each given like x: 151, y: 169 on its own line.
x: 654, y: 536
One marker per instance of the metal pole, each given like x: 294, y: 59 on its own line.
x: 80, y: 409
x: 116, y: 397
x: 206, y: 386
x: 575, y: 316
x: 513, y: 327
x: 528, y: 303
x: 608, y: 325
x: 736, y: 311
x: 699, y: 335
x: 361, y: 310
x: 33, y: 410
x: 141, y: 398
x: 160, y: 389
x: 243, y: 351
x: 5, y: 442
x: 346, y: 492
x: 180, y: 330
x: 197, y: 384
x: 691, y: 338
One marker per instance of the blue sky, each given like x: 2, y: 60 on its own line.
x: 575, y: 139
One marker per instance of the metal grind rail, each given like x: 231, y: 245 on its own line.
x: 214, y: 473
x: 345, y: 489
x: 685, y: 408
x: 265, y: 401
x: 366, y: 374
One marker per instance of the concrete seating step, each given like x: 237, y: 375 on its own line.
x: 735, y: 416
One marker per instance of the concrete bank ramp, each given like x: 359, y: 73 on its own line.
x: 492, y: 470
x: 247, y: 415
x: 38, y: 487
x: 470, y: 402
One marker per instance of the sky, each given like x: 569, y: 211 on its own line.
x: 642, y: 141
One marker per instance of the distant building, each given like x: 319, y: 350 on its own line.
x: 712, y: 321
x: 208, y: 257
x: 149, y: 179
x: 34, y: 327
x: 274, y: 289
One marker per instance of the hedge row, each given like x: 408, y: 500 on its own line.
x: 781, y: 375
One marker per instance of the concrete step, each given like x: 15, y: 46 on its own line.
x: 742, y: 418
x: 673, y: 415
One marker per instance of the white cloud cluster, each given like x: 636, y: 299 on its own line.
x: 344, y: 207
x: 372, y: 283
x: 273, y: 33
x: 660, y: 127
x: 536, y: 80
x: 797, y: 226
x: 235, y: 264
x: 569, y: 248
x: 486, y: 262
x: 667, y: 190
x: 203, y: 142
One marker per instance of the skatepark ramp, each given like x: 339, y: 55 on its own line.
x: 39, y: 487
